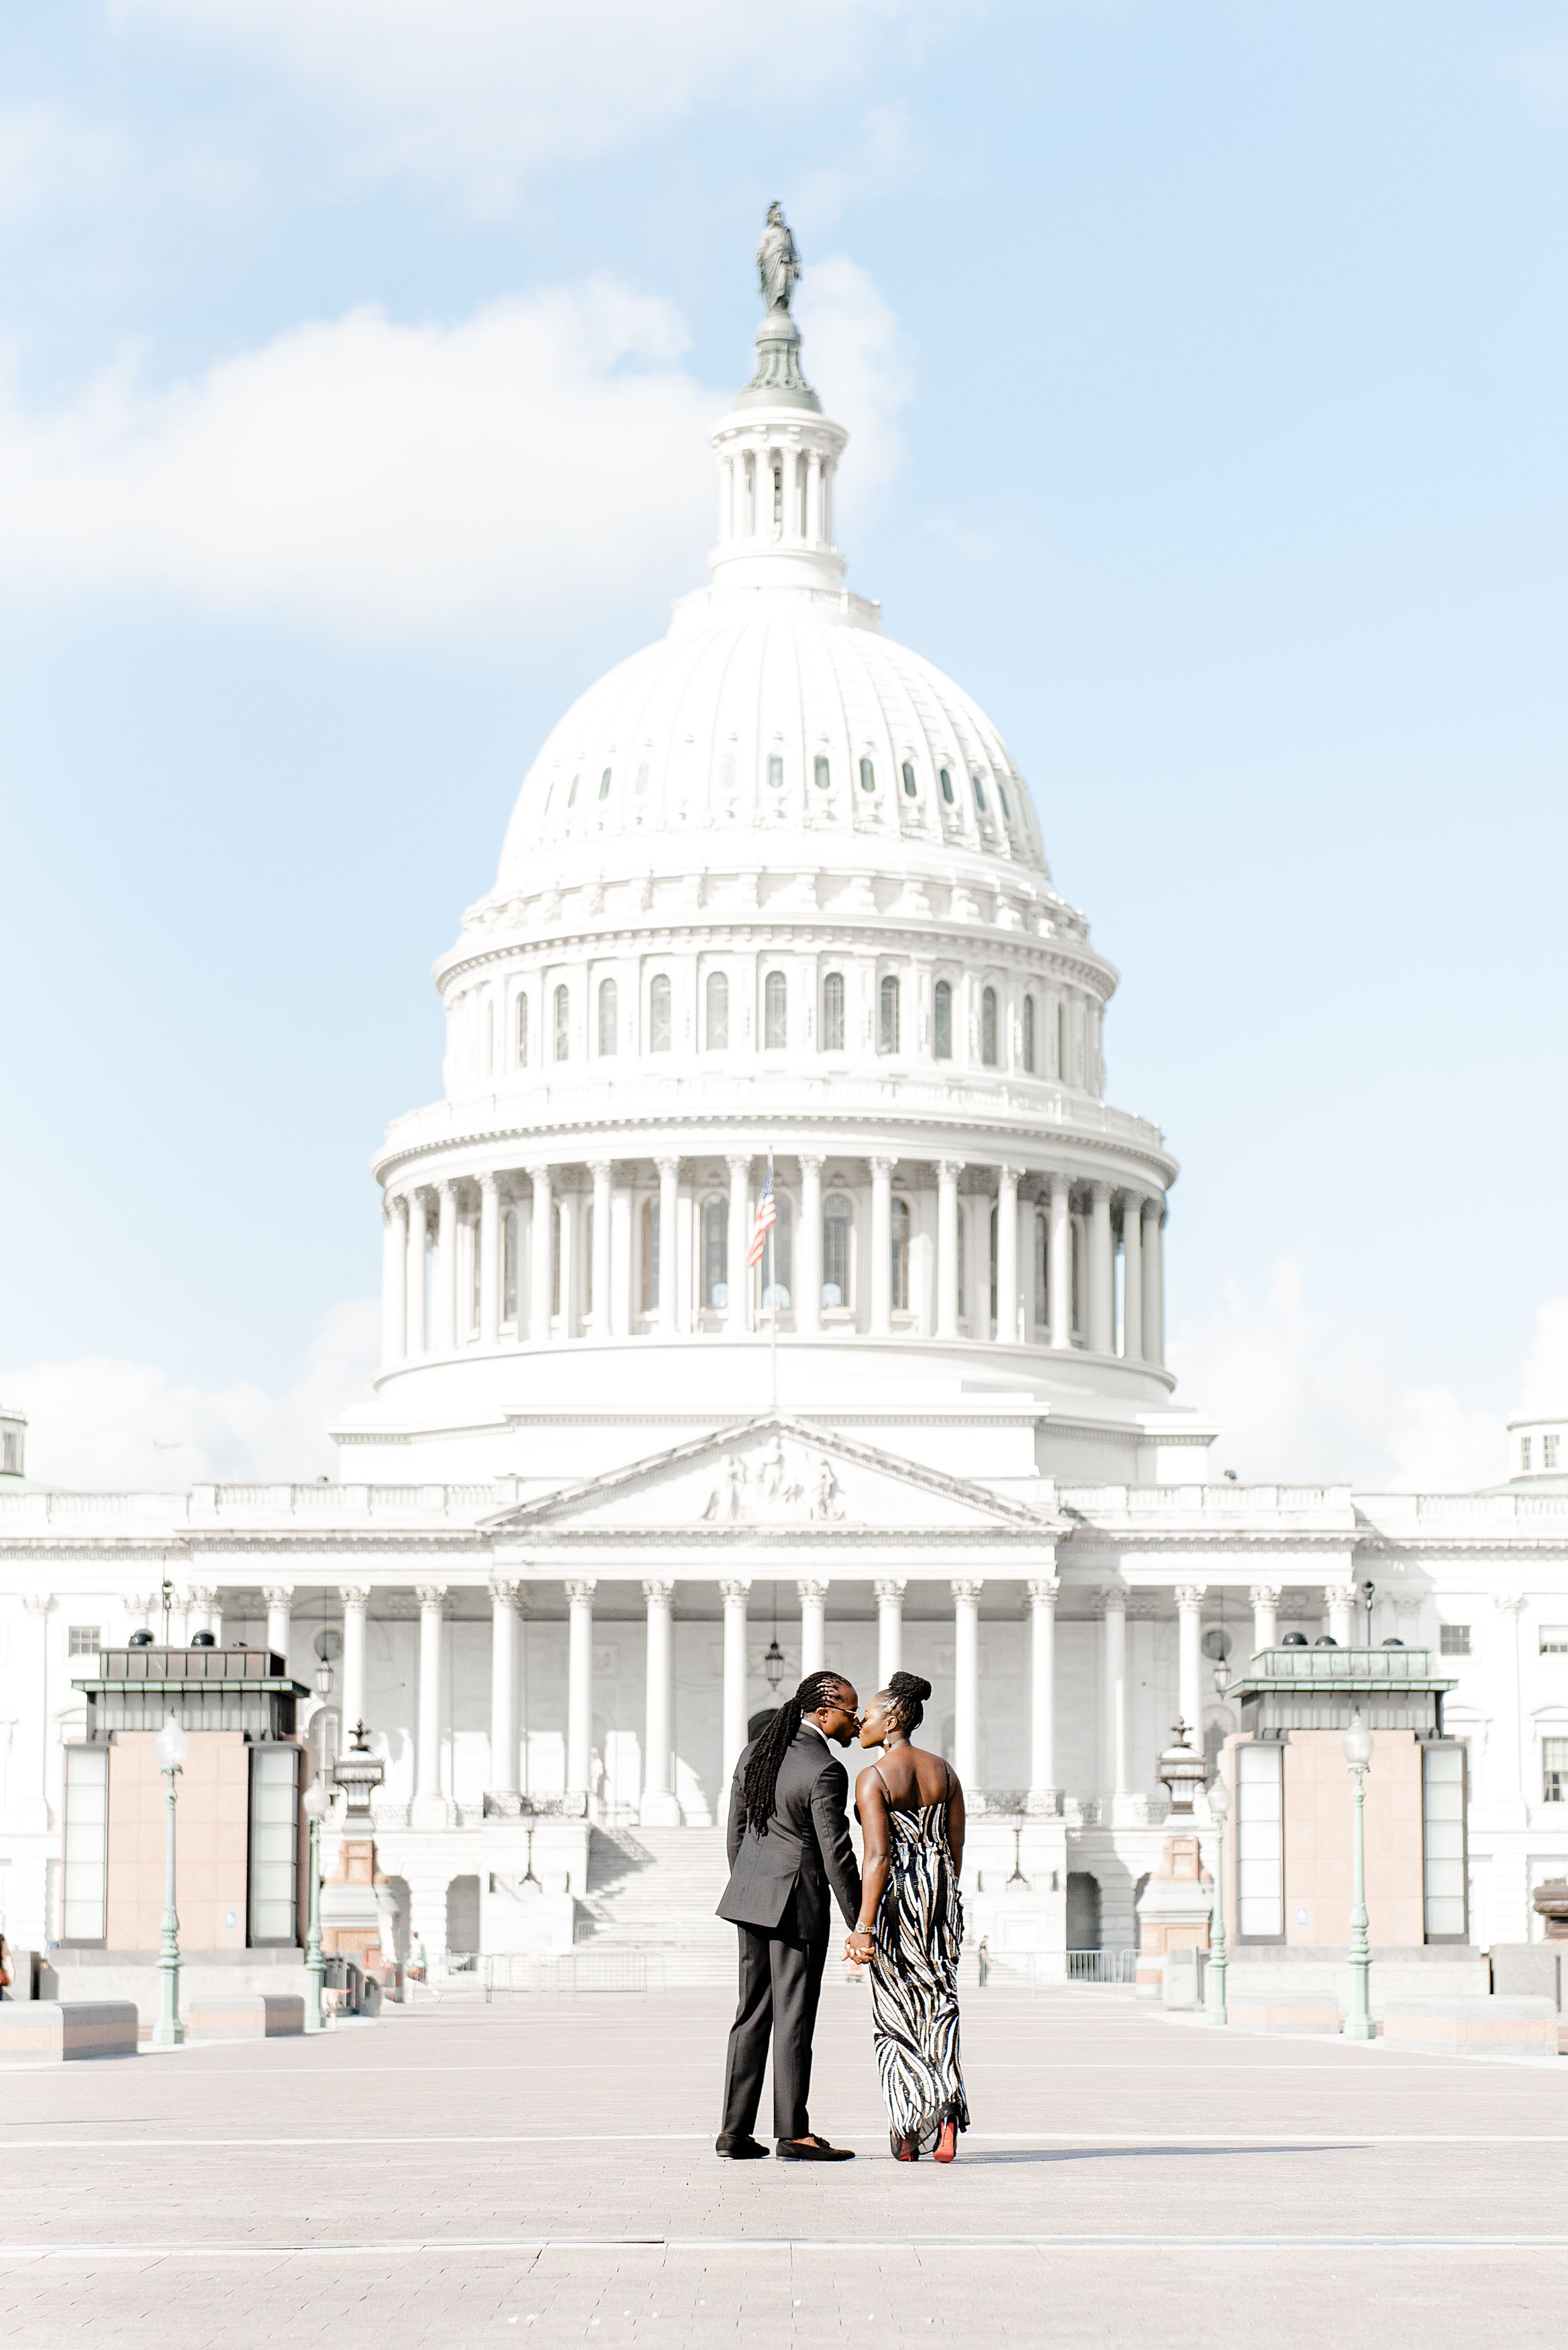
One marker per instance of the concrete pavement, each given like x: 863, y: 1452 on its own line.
x: 544, y: 2169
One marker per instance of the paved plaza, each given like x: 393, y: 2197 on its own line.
x: 542, y: 2170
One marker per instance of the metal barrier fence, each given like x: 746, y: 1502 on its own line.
x: 573, y: 1974
x: 1102, y: 1966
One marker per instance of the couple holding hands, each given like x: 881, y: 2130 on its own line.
x: 788, y: 1844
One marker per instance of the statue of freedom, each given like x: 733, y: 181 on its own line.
x: 778, y: 262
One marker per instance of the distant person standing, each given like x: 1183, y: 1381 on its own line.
x: 982, y: 1959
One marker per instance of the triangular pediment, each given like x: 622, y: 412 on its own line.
x: 772, y: 1474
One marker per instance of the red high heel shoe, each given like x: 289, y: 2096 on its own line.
x: 947, y: 2145
x: 904, y: 2149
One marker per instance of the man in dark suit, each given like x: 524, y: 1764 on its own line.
x: 788, y: 1844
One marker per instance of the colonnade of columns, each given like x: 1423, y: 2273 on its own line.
x: 780, y: 491
x: 599, y: 1250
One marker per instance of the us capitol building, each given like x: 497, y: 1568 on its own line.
x: 774, y: 889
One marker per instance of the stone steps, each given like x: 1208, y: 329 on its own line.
x: 654, y: 1890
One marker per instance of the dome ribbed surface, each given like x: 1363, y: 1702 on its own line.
x: 718, y: 730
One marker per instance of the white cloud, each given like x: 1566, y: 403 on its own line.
x: 99, y: 1425
x: 1305, y: 1398
x: 379, y: 476
x: 484, y: 94
x: 382, y: 478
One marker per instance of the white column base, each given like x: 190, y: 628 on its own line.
x: 658, y: 1810
x: 427, y: 1813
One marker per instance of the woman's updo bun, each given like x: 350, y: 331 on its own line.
x: 909, y: 1693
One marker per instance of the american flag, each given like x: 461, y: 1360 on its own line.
x: 767, y: 1216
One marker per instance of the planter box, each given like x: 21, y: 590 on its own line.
x: 257, y: 2016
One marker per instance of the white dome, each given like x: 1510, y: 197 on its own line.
x: 774, y: 711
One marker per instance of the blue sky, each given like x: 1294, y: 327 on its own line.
x: 1206, y: 365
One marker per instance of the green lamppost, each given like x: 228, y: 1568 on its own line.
x: 1219, y: 1811
x: 171, y: 1746
x: 1358, y: 1755
x: 314, y: 1804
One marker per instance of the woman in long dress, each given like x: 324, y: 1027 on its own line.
x: 911, y: 1928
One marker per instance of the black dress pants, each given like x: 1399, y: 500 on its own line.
x: 781, y: 1980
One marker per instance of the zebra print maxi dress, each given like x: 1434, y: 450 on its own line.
x: 914, y: 1979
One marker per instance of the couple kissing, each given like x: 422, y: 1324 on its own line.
x: 789, y: 1848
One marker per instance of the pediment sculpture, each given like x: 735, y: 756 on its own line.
x: 765, y: 1487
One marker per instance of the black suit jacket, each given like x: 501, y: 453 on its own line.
x: 805, y: 1850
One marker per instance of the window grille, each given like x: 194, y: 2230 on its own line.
x: 1554, y: 1639
x: 1260, y: 1842
x: 987, y: 1026
x: 1443, y: 1822
x: 887, y: 1031
x: 85, y: 1874
x: 833, y: 1012
x: 659, y: 1022
x: 83, y: 1640
x: 522, y: 1032
x: 716, y: 1251
x: 1549, y: 1451
x: 900, y: 1256
x: 1454, y: 1639
x: 608, y: 999
x: 1555, y: 1770
x: 648, y: 1253
x: 776, y: 1012
x: 1029, y: 1034
x: 563, y: 1024
x: 943, y: 1022
x: 718, y: 1014
x: 275, y: 1847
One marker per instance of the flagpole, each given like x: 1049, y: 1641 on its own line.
x: 772, y: 1284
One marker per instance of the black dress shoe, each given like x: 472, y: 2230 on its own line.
x: 812, y: 2150
x: 739, y: 2147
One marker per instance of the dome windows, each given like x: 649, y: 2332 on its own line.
x: 775, y: 771
x: 821, y: 772
x: 605, y: 782
x: 833, y: 1012
x: 716, y: 1025
x: 888, y: 1015
x: 1006, y: 805
x: 978, y: 789
x: 608, y: 1003
x: 659, y: 1019
x: 942, y: 1020
x: 563, y: 1024
x: 987, y: 1026
x: 776, y: 1012
x: 642, y: 775
x: 572, y: 795
x: 523, y: 1031
x: 838, y: 1227
x: 946, y: 781
x: 715, y: 1249
x: 911, y: 786
x: 899, y: 1268
x: 1029, y: 1035
x: 867, y: 777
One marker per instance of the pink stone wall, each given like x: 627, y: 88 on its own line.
x: 211, y: 1842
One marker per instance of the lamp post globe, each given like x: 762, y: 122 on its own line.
x: 171, y: 1746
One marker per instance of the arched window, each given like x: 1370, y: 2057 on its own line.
x: 605, y: 783
x: 900, y: 1256
x: 718, y: 1012
x: 1029, y: 1034
x: 822, y: 774
x: 610, y: 996
x: 979, y: 793
x: 776, y: 1012
x: 888, y: 1015
x: 946, y: 781
x: 715, y: 1249
x: 1006, y: 804
x: 563, y: 1024
x: 867, y: 777
x: 987, y: 1026
x: 659, y: 1014
x: 522, y: 1032
x: 910, y: 785
x: 775, y: 771
x: 1041, y: 1274
x: 943, y: 1022
x: 782, y: 1239
x: 572, y: 795
x: 1061, y: 1040
x: 833, y: 1012
x: 837, y: 1224
x: 648, y: 1256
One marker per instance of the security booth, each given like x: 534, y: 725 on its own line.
x: 238, y: 1827
x: 1289, y: 1853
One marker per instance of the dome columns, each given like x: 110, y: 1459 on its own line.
x: 887, y: 1246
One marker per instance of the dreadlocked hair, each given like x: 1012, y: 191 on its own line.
x: 909, y: 1693
x: 758, y: 1787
